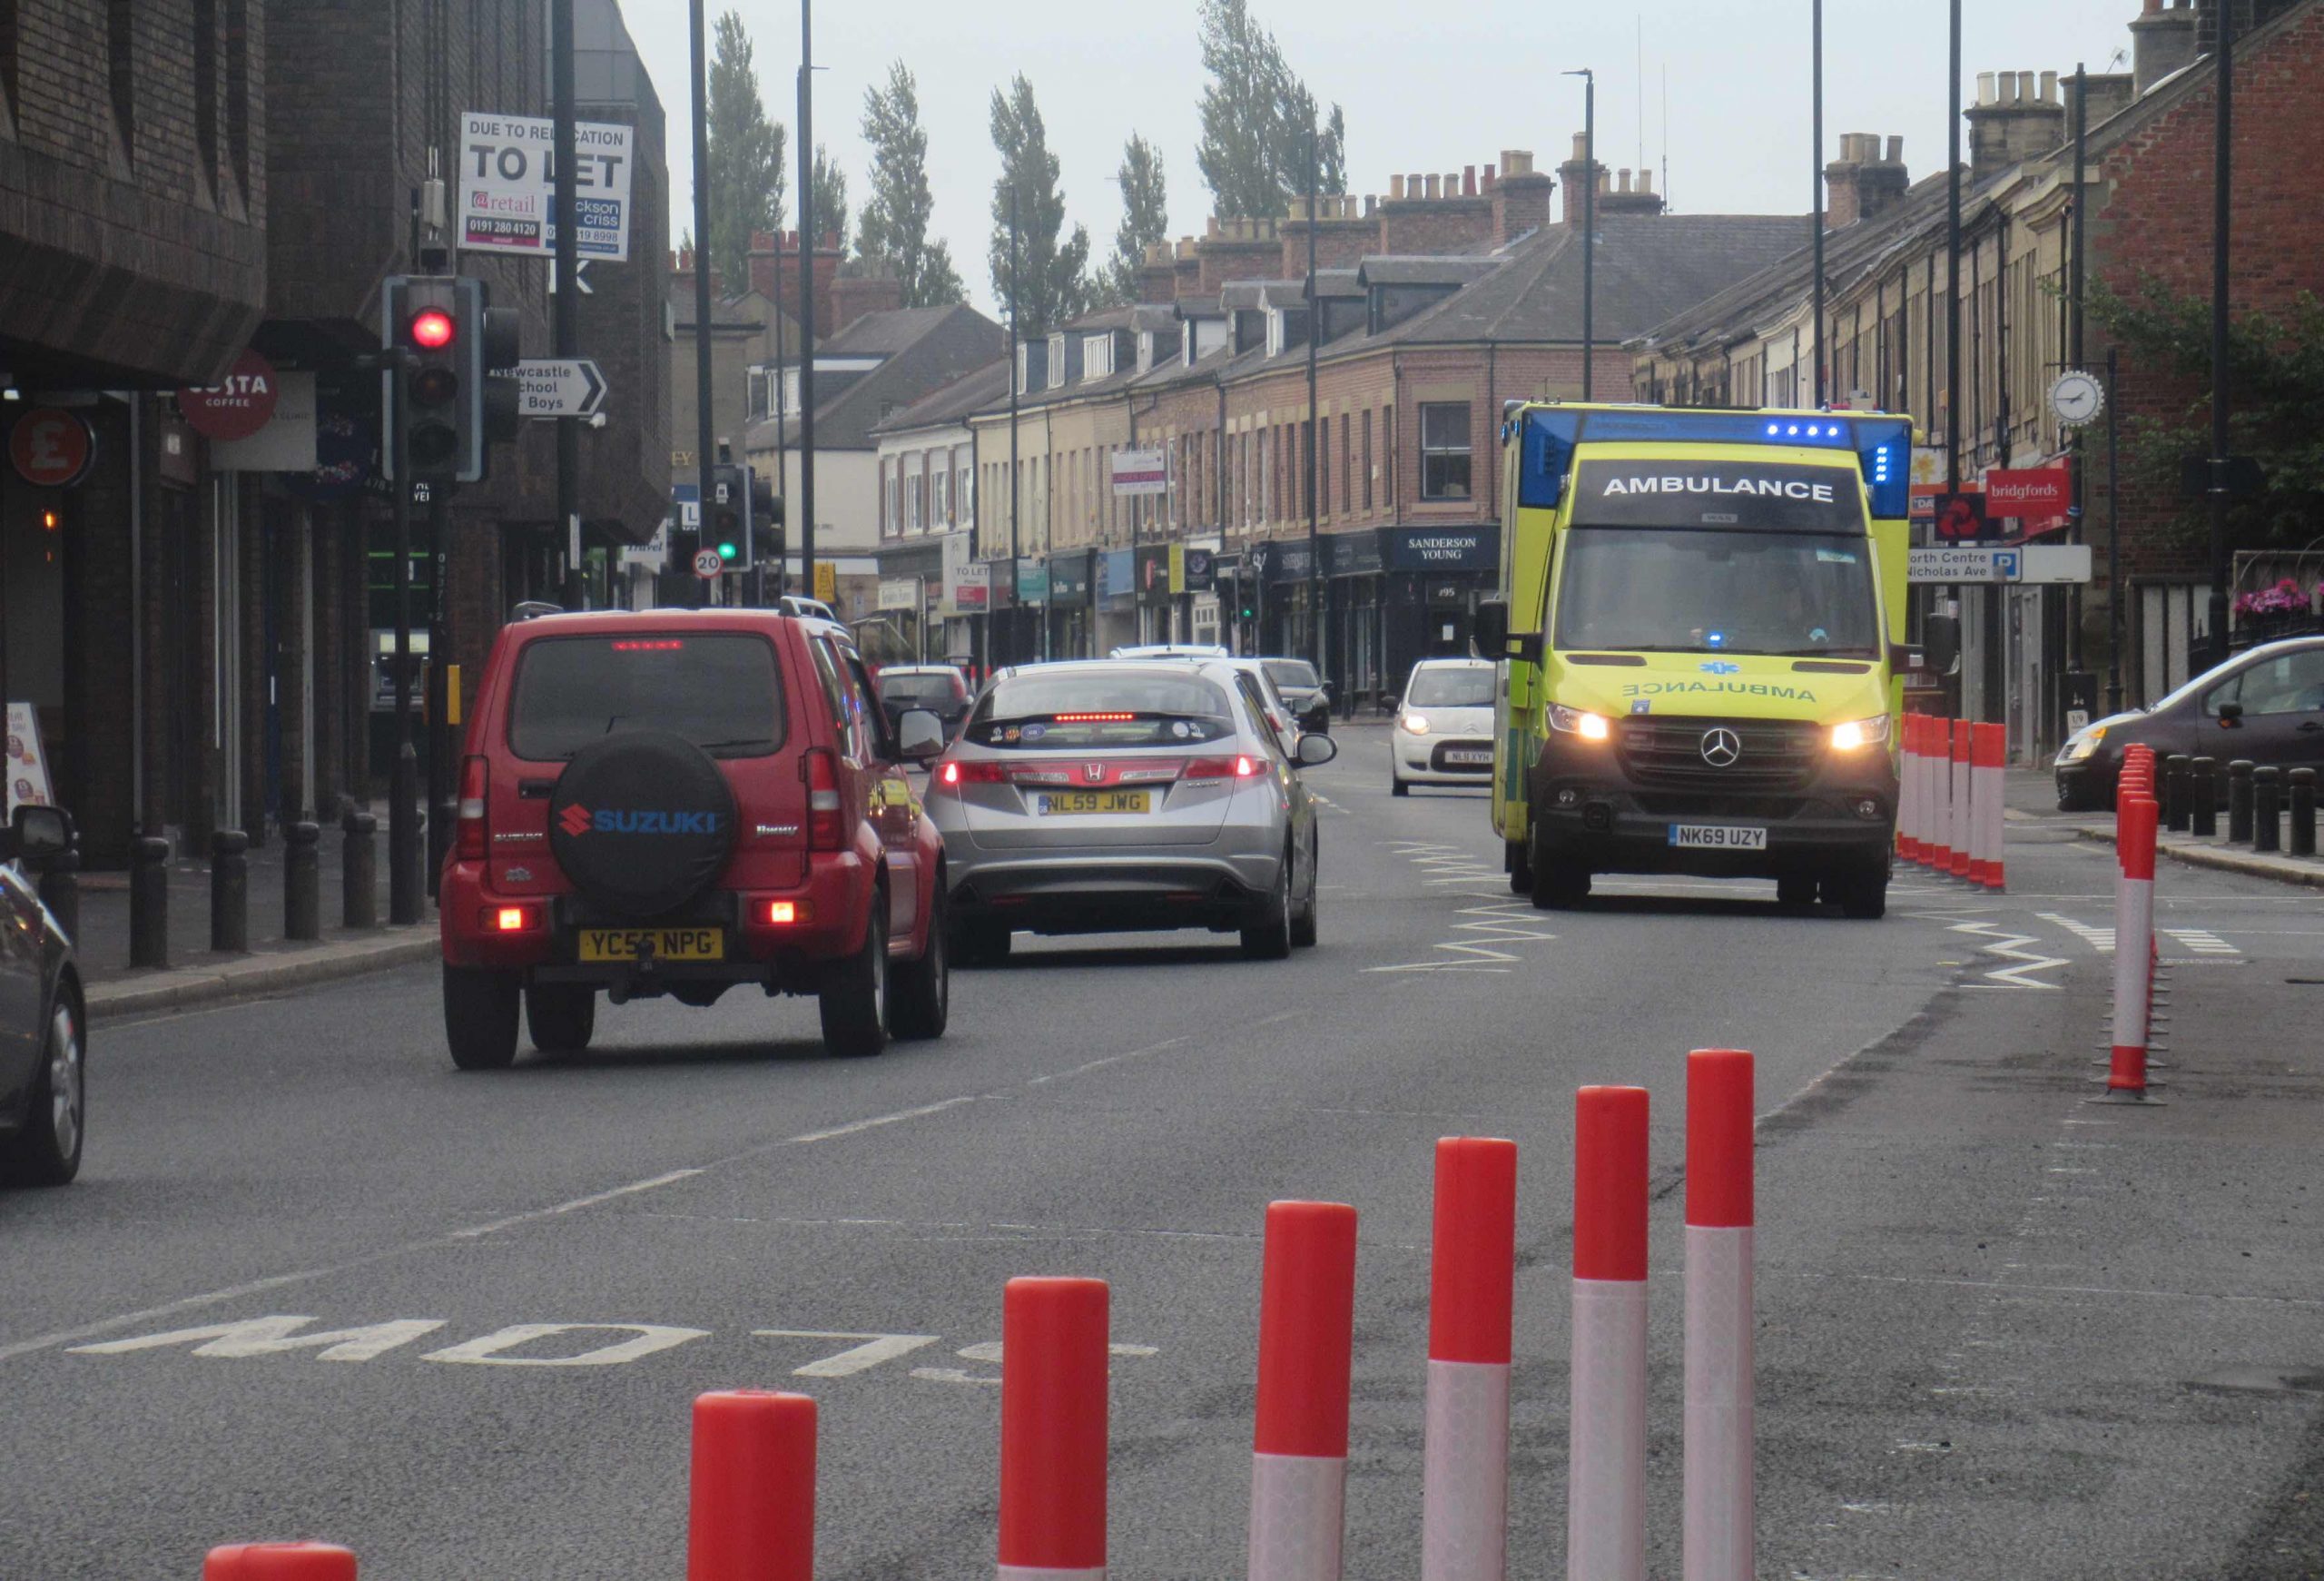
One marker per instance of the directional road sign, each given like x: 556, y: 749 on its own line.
x: 553, y: 387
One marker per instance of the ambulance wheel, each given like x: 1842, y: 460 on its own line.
x: 1521, y: 869
x: 1861, y: 890
x: 1559, y: 881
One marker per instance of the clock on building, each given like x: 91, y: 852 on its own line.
x: 2076, y: 397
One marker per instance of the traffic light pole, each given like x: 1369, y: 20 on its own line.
x: 568, y: 294
x: 403, y: 782
x: 441, y: 807
x: 702, y: 388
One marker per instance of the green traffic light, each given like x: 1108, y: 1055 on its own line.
x: 727, y: 551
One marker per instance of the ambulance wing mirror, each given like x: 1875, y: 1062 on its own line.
x: 1941, y: 643
x: 1493, y: 638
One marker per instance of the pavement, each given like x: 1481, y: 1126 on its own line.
x: 2001, y: 1333
x: 197, y: 974
x: 2031, y: 799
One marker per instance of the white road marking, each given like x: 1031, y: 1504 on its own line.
x: 2099, y: 939
x: 856, y: 1358
x: 644, y: 1339
x: 592, y: 1200
x: 854, y: 1127
x: 2006, y: 944
x: 1083, y: 1069
x: 2203, y: 940
x: 275, y: 1334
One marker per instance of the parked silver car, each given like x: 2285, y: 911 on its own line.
x: 1121, y: 796
x: 1443, y: 733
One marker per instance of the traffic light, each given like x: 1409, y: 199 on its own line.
x: 438, y: 322
x: 503, y: 350
x: 767, y: 545
x: 726, y: 525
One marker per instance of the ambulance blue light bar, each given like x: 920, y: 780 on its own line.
x: 1883, y: 445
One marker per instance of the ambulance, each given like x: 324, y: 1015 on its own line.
x: 1700, y: 637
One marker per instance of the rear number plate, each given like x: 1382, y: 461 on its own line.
x: 667, y: 944
x: 1469, y: 754
x: 1107, y: 801
x: 1718, y: 836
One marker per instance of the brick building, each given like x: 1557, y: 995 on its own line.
x: 2148, y: 217
x: 1437, y: 302
x: 187, y: 185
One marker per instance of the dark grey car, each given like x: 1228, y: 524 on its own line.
x: 44, y: 1091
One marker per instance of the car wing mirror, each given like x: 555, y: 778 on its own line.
x: 39, y: 832
x: 1941, y: 643
x: 1315, y: 750
x: 2230, y: 714
x: 919, y: 734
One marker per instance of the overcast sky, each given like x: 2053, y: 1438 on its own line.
x: 1426, y: 87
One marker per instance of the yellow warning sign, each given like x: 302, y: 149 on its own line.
x: 827, y: 582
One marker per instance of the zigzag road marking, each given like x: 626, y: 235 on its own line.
x: 1490, y: 923
x: 2006, y: 944
x: 2099, y: 939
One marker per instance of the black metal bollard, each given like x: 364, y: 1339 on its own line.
x: 60, y: 890
x: 2302, y: 842
x: 2203, y: 807
x: 2267, y: 809
x: 359, y: 871
x: 149, y: 903
x: 2178, y: 787
x: 230, y: 892
x: 2239, y: 802
x: 302, y: 904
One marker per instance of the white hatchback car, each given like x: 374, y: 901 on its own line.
x: 1443, y: 733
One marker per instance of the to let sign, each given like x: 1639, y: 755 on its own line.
x: 1140, y: 472
x: 509, y: 186
x: 52, y: 448
x: 2028, y: 492
x: 237, y: 406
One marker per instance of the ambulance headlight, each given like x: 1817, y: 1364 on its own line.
x: 1856, y: 735
x: 1568, y: 721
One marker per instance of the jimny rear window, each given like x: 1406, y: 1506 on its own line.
x: 722, y: 691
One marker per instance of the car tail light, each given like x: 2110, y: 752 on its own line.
x: 509, y: 919
x: 822, y: 769
x: 476, y: 779
x: 1242, y: 767
x: 783, y: 913
x: 952, y: 772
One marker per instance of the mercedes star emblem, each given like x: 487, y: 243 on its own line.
x: 1721, y: 747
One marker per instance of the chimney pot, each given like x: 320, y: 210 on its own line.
x: 1626, y: 179
x: 1429, y: 188
x: 1371, y: 204
x: 1984, y: 87
x: 1580, y: 146
x: 1487, y: 180
x: 1895, y: 150
x: 1645, y: 181
x: 1468, y: 181
x: 1214, y: 226
x: 2025, y: 87
x: 1395, y: 189
x: 1516, y: 162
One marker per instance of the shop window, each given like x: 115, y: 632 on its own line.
x: 1444, y: 451
x: 121, y: 55
x: 1368, y: 461
x: 1347, y: 497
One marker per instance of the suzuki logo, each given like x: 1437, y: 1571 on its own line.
x: 1721, y: 747
x: 1095, y: 773
x: 576, y: 819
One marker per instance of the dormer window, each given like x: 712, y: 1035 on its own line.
x: 1097, y: 356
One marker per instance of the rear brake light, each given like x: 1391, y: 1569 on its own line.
x: 822, y: 770
x: 954, y: 772
x: 510, y: 919
x: 783, y: 913
x: 474, y: 781
x: 649, y: 645
x: 1092, y: 718
x: 1243, y: 766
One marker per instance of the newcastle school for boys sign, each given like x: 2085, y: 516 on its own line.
x: 507, y: 186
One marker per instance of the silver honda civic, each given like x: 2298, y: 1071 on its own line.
x: 1121, y: 796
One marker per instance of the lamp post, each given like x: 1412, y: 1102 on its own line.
x: 703, y: 371
x: 1314, y: 334
x: 1589, y: 221
x: 2223, y: 187
x: 806, y: 299
x: 1815, y: 208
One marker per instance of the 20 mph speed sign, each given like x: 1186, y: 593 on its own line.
x: 708, y: 563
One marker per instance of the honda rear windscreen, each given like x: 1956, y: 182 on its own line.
x: 1130, y: 707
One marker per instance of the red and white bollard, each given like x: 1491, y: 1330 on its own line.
x: 278, y: 1562
x: 1964, y: 818
x: 1464, y: 1471
x: 1053, y: 1362
x: 1989, y: 755
x: 2135, y: 820
x: 1306, y: 1334
x: 751, y: 1513
x: 1908, y: 791
x: 1606, y: 1446
x: 1719, y: 1498
x: 1937, y: 853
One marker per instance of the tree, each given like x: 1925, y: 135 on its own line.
x: 831, y: 197
x: 1052, y: 278
x: 1256, y: 118
x: 894, y: 223
x: 1146, y: 217
x: 746, y: 175
x: 2276, y: 385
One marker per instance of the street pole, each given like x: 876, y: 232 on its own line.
x: 1815, y: 222
x: 1314, y: 334
x: 2113, y: 542
x: 807, y: 298
x: 568, y: 293
x: 1953, y: 264
x: 2223, y: 177
x: 2073, y: 355
x: 1588, y: 223
x: 403, y: 781
x: 782, y: 413
x: 1016, y: 580
x: 702, y: 370
x: 443, y: 808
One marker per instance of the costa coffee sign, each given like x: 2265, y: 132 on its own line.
x: 2027, y: 491
x: 236, y: 407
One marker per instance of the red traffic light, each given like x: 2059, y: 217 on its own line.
x: 432, y: 330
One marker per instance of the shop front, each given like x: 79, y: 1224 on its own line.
x: 1356, y: 562
x: 1113, y: 601
x: 1435, y: 576
x: 1069, y: 577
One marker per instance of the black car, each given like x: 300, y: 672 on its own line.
x: 1307, y: 694
x: 43, y: 1092
x: 2266, y: 704
x: 941, y: 688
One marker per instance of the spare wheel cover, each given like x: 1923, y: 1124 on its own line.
x: 641, y: 822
